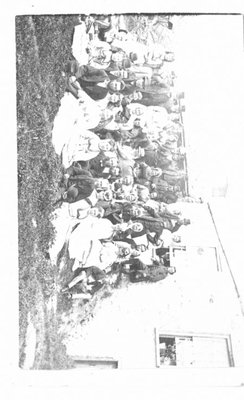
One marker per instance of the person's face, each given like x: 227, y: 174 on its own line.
x: 101, y: 196
x: 154, y: 146
x: 137, y: 227
x: 141, y: 248
x: 115, y: 171
x: 119, y: 181
x: 135, y: 212
x: 174, y: 109
x: 175, y: 157
x: 94, y: 212
x: 137, y: 123
x: 130, y: 198
x: 123, y: 74
x: 114, y: 97
x: 115, y: 85
x: 112, y: 162
x: 99, y: 183
x: 162, y: 207
x: 108, y: 195
x: 104, y: 146
x: 169, y: 57
x: 174, y: 116
x: 153, y: 195
x: 106, y: 113
x: 138, y: 111
x: 136, y: 96
x: 176, y: 238
x: 102, y: 183
x: 155, y: 171
x: 126, y: 252
x: 140, y: 83
x: 126, y: 181
x: 117, y: 57
x: 121, y: 35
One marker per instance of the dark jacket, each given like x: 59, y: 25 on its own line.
x: 80, y: 180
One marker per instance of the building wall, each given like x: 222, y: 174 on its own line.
x: 197, y: 299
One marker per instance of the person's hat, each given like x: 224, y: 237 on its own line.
x: 108, y: 195
x: 126, y: 63
x: 72, y: 193
x: 133, y: 56
x: 125, y: 101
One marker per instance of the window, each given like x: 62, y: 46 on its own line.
x: 97, y: 362
x: 193, y: 350
x: 189, y: 256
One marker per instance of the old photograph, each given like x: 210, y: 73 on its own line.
x: 130, y: 195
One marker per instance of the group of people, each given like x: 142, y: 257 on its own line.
x: 124, y: 159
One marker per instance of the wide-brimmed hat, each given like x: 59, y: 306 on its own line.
x: 133, y: 56
x: 72, y: 193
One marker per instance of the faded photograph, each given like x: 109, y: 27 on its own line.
x: 129, y: 135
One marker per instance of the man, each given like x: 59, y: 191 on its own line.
x: 167, y: 197
x: 94, y: 212
x: 80, y: 184
x: 86, y: 280
x: 144, y: 174
x: 154, y: 157
x: 139, y: 272
x: 157, y: 225
x: 161, y: 187
x: 97, y: 88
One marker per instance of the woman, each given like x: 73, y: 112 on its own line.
x: 84, y: 145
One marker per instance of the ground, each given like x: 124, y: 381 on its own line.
x: 43, y: 46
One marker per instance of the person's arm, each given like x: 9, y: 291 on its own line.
x: 150, y: 238
x: 157, y: 275
x: 151, y: 211
x: 142, y: 181
x: 176, y: 227
x: 130, y: 241
x: 72, y: 171
x: 73, y: 87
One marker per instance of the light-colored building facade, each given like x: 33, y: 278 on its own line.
x: 191, y: 319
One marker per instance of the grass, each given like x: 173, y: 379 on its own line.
x: 42, y: 48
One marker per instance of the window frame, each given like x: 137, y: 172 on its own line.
x: 88, y: 361
x: 174, y: 334
x: 179, y: 247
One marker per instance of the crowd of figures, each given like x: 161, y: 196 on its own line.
x: 124, y: 156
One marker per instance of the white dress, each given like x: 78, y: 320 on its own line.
x: 83, y: 205
x: 89, y: 229
x: 82, y: 145
x: 80, y: 43
x: 74, y: 115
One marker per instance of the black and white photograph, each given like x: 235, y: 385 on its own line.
x: 130, y: 191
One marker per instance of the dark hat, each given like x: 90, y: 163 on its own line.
x: 72, y: 193
x: 126, y: 63
x: 133, y: 56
